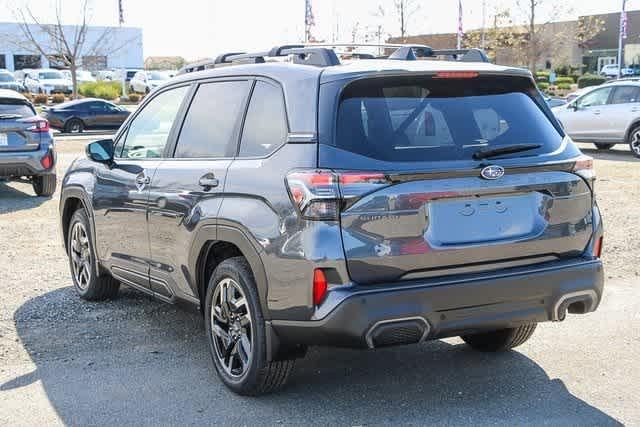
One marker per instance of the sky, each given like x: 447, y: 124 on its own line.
x: 197, y: 29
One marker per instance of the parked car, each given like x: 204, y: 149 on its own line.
x: 124, y: 74
x: 19, y: 75
x: 611, y: 71
x: 8, y: 81
x: 87, y: 113
x: 554, y: 102
x: 146, y: 81
x: 26, y: 144
x: 82, y: 76
x: 47, y: 81
x: 606, y: 115
x: 104, y: 75
x: 377, y: 203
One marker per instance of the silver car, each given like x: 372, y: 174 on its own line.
x: 606, y: 115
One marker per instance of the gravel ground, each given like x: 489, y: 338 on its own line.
x: 138, y: 361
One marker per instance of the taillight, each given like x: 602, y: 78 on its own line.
x: 319, y: 194
x: 584, y: 167
x: 38, y: 124
x: 596, y: 250
x: 320, y: 286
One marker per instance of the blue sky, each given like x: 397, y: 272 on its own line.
x: 203, y: 28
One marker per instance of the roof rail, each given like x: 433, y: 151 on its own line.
x: 325, y: 55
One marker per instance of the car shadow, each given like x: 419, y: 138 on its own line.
x: 20, y: 200
x: 135, y: 360
x: 622, y: 154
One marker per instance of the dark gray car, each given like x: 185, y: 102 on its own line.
x: 26, y: 144
x: 381, y: 202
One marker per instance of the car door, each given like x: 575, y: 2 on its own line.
x: 624, y: 110
x: 121, y: 192
x: 187, y: 190
x: 586, y: 118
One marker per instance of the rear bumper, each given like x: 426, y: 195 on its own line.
x: 361, y: 316
x: 25, y: 163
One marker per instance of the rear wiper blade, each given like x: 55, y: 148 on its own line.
x: 486, y: 153
x: 9, y: 116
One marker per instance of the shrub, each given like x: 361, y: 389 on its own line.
x: 103, y: 90
x: 57, y: 98
x: 564, y: 80
x: 543, y: 86
x: 564, y: 86
x: 590, y: 80
x: 541, y: 79
x: 563, y: 70
x: 575, y: 76
x: 134, y: 97
x: 40, y: 98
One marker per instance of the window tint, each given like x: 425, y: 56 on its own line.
x: 211, y: 125
x: 410, y: 119
x: 625, y: 95
x: 266, y: 124
x: 595, y: 98
x: 149, y: 130
x: 96, y: 107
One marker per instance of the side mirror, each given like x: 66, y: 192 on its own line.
x: 574, y: 106
x: 101, y: 151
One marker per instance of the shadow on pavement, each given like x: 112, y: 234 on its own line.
x: 616, y: 154
x: 19, y: 199
x: 135, y: 360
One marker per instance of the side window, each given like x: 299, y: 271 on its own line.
x: 625, y: 95
x: 595, y: 98
x: 210, y: 128
x: 97, y: 107
x: 265, y: 127
x: 149, y: 130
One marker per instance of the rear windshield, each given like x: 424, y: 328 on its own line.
x: 23, y: 110
x: 50, y: 75
x: 409, y: 119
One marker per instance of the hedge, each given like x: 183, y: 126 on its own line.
x: 102, y: 89
x: 543, y: 86
x: 590, y: 80
x: 564, y: 80
x: 57, y: 98
x: 563, y: 86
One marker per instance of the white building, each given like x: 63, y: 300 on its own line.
x: 104, y: 48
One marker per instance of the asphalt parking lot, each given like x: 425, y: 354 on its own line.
x: 138, y: 361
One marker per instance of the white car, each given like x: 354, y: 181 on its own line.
x: 82, y: 76
x: 47, y: 81
x: 611, y: 71
x: 146, y: 81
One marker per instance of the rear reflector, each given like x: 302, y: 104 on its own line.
x: 319, y: 286
x: 456, y: 75
x: 596, y: 251
x: 47, y: 160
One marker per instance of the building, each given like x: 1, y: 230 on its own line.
x: 104, y: 48
x: 562, y: 44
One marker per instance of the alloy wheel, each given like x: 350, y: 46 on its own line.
x: 635, y: 143
x: 231, y: 327
x: 80, y: 256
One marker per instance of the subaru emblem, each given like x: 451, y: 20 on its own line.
x: 492, y: 172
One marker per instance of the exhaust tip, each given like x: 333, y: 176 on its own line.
x: 580, y: 302
x: 385, y: 333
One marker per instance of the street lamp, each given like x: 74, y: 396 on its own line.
x: 620, y: 36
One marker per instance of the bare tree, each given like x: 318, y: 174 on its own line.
x: 403, y: 10
x: 63, y: 44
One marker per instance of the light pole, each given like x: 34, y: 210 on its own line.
x: 620, y: 36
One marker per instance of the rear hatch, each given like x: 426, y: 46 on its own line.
x: 450, y: 173
x: 17, y: 126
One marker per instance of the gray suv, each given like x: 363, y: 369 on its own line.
x: 26, y: 144
x: 365, y: 204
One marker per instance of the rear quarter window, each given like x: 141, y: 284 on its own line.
x: 415, y: 119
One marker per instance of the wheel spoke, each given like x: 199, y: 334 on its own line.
x: 221, y: 333
x: 218, y: 315
x: 237, y: 304
x: 244, y: 347
x: 245, y: 320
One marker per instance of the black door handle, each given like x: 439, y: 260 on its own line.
x: 143, y: 180
x: 208, y: 181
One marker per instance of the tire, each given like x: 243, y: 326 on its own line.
x: 44, y: 185
x: 501, y: 340
x: 255, y: 375
x: 601, y: 146
x: 82, y: 262
x: 74, y: 126
x: 634, y: 141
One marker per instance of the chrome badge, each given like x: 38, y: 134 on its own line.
x: 492, y: 172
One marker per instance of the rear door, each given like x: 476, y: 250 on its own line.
x: 15, y: 126
x: 591, y: 119
x: 187, y: 189
x: 624, y: 110
x: 415, y: 203
x: 121, y: 193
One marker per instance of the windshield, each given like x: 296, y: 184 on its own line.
x: 6, y: 77
x: 406, y: 119
x: 50, y: 75
x: 22, y: 110
x: 157, y: 76
x: 83, y: 74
